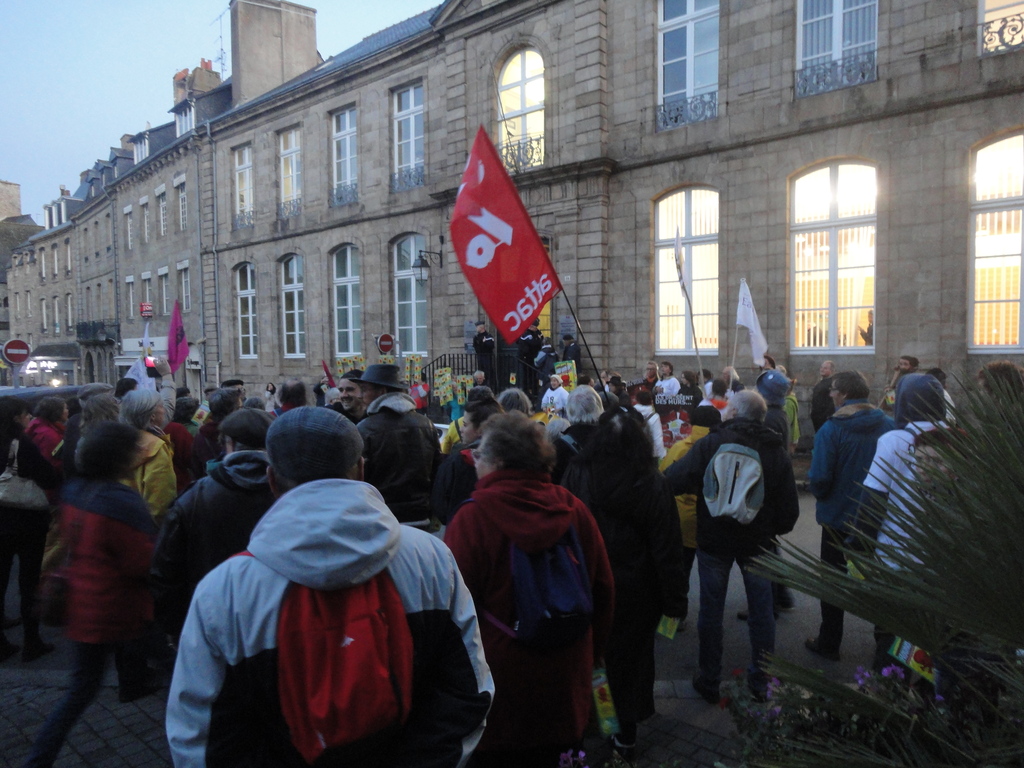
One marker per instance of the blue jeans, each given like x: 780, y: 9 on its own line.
x: 88, y: 662
x: 714, y: 583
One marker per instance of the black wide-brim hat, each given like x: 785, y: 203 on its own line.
x: 384, y: 375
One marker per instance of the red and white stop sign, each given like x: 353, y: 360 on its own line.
x: 16, y: 351
x: 385, y: 343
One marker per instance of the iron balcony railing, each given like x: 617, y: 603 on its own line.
x: 834, y: 75
x: 97, y: 331
x: 243, y: 219
x: 684, y: 111
x: 408, y: 178
x: 345, y: 194
x: 522, y: 154
x: 1002, y: 35
x: 289, y: 208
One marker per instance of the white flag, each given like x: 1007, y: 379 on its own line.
x: 746, y: 316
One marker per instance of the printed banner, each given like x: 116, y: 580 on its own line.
x: 500, y: 252
x: 566, y: 371
x: 443, y: 385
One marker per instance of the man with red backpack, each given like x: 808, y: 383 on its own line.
x: 340, y: 636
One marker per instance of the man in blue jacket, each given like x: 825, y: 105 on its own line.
x: 843, y: 449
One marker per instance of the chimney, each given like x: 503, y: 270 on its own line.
x: 64, y: 191
x: 180, y: 85
x: 10, y: 199
x: 272, y: 41
x: 126, y: 141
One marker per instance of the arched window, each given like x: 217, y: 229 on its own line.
x: 245, y: 296
x: 833, y: 235
x: 347, y: 303
x: 521, y: 110
x: 688, y: 220
x: 997, y: 203
x: 410, y: 296
x: 294, y: 306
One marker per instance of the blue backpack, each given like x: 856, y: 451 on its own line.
x: 553, y: 600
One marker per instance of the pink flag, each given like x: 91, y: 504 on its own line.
x: 177, y: 344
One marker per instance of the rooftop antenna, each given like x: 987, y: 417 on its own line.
x: 222, y: 56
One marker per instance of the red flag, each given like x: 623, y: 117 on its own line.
x: 498, y: 248
x: 327, y: 373
x: 177, y: 344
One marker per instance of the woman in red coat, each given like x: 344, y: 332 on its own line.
x: 110, y: 537
x: 542, y: 698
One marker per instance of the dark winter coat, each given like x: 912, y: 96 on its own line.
x: 541, y: 697
x: 402, y: 455
x: 843, y: 450
x: 454, y: 483
x: 640, y: 527
x: 206, y: 525
x: 567, y: 450
x: 725, y: 536
x: 821, y: 403
x: 110, y: 535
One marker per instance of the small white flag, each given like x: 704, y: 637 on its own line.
x: 746, y: 316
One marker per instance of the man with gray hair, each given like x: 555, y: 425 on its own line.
x: 723, y: 540
x: 327, y: 531
x: 582, y: 409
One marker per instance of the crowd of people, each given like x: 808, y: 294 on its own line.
x: 148, y: 494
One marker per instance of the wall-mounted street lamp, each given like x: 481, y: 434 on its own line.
x: 421, y: 267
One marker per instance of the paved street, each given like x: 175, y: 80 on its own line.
x: 685, y: 730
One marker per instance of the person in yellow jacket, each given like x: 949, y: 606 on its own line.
x: 153, y: 472
x: 703, y: 419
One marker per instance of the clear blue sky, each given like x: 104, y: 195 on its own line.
x: 80, y: 73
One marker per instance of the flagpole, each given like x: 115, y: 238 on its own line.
x: 735, y: 344
x: 689, y: 309
x: 583, y: 336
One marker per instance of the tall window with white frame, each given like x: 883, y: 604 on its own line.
x: 833, y: 242
x: 290, y: 158
x: 56, y: 314
x: 245, y: 297
x: 145, y: 222
x: 43, y: 313
x: 147, y: 290
x: 410, y: 296
x: 129, y: 293
x: 161, y: 201
x: 521, y: 111
x: 1002, y: 27
x: 293, y: 306
x: 184, y: 289
x: 693, y: 214
x: 67, y: 253
x: 836, y: 44
x: 128, y: 229
x: 69, y: 308
x: 347, y: 304
x: 688, y: 71
x: 408, y: 137
x: 997, y: 209
x: 165, y: 294
x: 345, y: 149
x: 182, y: 208
x: 243, y: 187
x: 56, y: 262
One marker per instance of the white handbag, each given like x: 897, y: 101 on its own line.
x: 20, y: 492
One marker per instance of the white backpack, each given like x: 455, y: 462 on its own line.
x: 734, y: 483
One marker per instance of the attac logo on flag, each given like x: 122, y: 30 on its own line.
x: 498, y: 248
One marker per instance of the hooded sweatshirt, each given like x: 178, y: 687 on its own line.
x: 843, y: 449
x: 210, y: 522
x: 328, y: 534
x: 543, y: 697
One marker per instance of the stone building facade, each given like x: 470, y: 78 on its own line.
x: 861, y: 168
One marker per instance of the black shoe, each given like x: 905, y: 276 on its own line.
x: 33, y: 651
x: 7, y: 650
x: 626, y: 752
x: 813, y: 645
x: 743, y: 615
x: 126, y: 695
x: 710, y: 693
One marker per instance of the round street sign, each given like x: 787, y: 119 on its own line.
x: 16, y: 351
x: 385, y: 343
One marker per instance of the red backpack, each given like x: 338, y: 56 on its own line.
x: 344, y: 665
